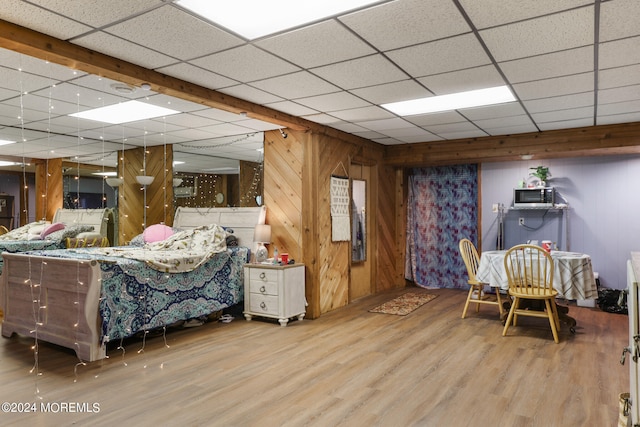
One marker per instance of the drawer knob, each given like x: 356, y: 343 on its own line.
x: 262, y: 289
x: 263, y: 276
x: 263, y: 305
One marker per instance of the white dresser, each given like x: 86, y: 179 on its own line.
x: 275, y: 291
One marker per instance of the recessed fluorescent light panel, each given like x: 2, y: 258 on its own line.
x: 6, y: 142
x: 7, y: 163
x: 129, y: 111
x: 257, y: 18
x: 454, y: 101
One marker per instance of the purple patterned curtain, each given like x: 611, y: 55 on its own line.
x: 442, y: 209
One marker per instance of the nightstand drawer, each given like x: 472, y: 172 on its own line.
x: 264, y: 304
x: 264, y: 288
x: 263, y: 275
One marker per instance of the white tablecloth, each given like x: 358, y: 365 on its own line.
x: 572, y: 278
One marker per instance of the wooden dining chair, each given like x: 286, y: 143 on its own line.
x: 530, y: 274
x: 471, y: 261
x: 92, y: 242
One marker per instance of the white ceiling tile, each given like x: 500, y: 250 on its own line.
x: 14, y: 81
x: 421, y: 21
x: 619, y: 19
x: 511, y: 130
x: 406, y: 133
x: 333, y: 101
x: 98, y: 13
x: 245, y: 64
x: 386, y: 124
x: 220, y: 115
x: 292, y: 108
x: 165, y: 30
x: 418, y: 138
x: 562, y: 115
x: 556, y: 86
x: 297, y: 85
x: 522, y: 120
x: 363, y: 114
x: 348, y: 127
x: 547, y: 34
x: 618, y: 118
x: 619, y: 53
x: 228, y: 129
x: 619, y: 108
x: 619, y: 94
x: 566, y: 124
x: 392, y: 92
x: 258, y: 125
x: 123, y: 49
x: 436, y: 57
x: 436, y: 118
x: 493, y: 111
x: 322, y: 118
x: 621, y: 76
x: 555, y: 103
x: 321, y: 44
x: 489, y: 13
x: 251, y: 94
x: 463, y: 134
x: 197, y: 75
x: 370, y: 135
x: 463, y: 80
x: 361, y: 72
x: 387, y: 141
x: 22, y: 13
x: 451, y: 127
x: 555, y: 64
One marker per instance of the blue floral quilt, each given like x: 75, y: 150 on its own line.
x: 136, y: 297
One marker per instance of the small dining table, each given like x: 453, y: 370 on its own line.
x: 573, y: 276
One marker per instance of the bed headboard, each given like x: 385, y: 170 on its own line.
x: 241, y: 220
x: 98, y: 218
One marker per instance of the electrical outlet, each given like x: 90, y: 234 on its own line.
x: 520, y: 221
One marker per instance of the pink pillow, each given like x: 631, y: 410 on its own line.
x: 156, y: 233
x: 56, y: 226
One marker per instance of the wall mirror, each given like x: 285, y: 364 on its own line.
x: 358, y: 223
x: 37, y: 99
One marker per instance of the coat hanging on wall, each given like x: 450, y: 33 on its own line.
x: 340, y: 200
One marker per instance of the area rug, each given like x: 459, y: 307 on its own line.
x: 404, y: 304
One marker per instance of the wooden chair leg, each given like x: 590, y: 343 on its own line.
x: 510, y: 317
x: 499, y: 301
x: 551, y: 312
x: 466, y: 304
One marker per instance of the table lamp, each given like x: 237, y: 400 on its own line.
x: 262, y: 236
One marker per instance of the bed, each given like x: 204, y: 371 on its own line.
x: 76, y: 221
x: 87, y: 297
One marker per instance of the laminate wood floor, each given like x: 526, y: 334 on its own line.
x: 347, y: 368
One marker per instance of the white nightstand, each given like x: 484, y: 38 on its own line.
x: 275, y: 291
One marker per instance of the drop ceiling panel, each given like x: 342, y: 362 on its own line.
x: 387, y: 124
x: 619, y: 53
x: 165, y: 30
x: 463, y: 80
x: 123, y: 49
x: 562, y: 115
x: 493, y: 111
x: 197, y: 75
x: 361, y: 72
x: 490, y: 13
x: 292, y: 108
x: 619, y: 108
x: 435, y: 57
x: 333, y: 101
x: 363, y: 114
x: 246, y: 64
x: 251, y: 94
x: 620, y: 118
x: 547, y: 34
x: 619, y: 19
x: 436, y: 118
x: 297, y: 85
x: 22, y: 13
x: 96, y: 12
x: 565, y: 102
x: 575, y: 61
x: 565, y: 85
x: 511, y: 130
x: 510, y: 121
x: 321, y: 44
x: 620, y: 94
x: 422, y: 21
x: 392, y: 92
x: 477, y: 133
x: 616, y: 77
x: 566, y: 124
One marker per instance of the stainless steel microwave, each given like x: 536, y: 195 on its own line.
x: 541, y: 197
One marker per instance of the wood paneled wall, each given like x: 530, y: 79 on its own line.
x: 48, y: 187
x: 159, y: 195
x: 297, y: 182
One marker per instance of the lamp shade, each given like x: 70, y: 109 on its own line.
x: 114, y: 182
x: 177, y: 182
x: 262, y: 233
x: 144, y: 179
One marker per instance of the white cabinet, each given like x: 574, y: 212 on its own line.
x: 275, y: 291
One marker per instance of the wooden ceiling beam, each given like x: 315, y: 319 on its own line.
x: 578, y: 142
